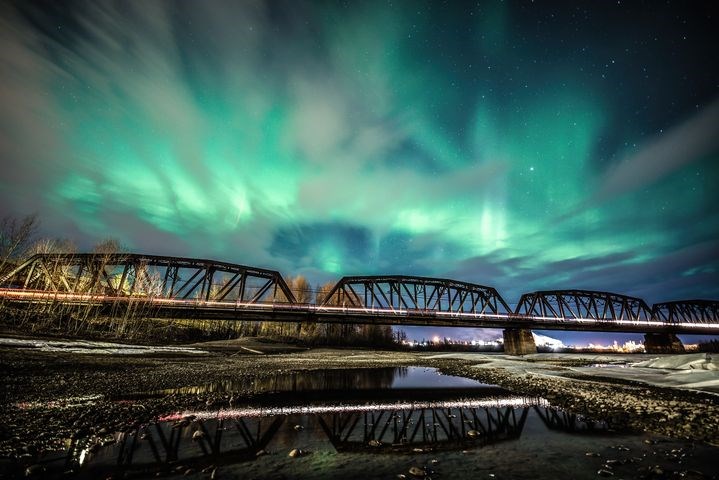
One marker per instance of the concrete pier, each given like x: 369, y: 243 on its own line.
x: 518, y: 341
x: 662, y: 343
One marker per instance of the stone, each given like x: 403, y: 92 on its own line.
x: 416, y: 472
x: 298, y: 452
x: 605, y: 473
x: 34, y: 470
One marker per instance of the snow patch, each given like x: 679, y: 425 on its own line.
x: 693, y: 361
x: 93, y: 347
x: 545, y: 341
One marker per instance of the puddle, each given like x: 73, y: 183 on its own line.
x: 337, y: 383
x: 377, y: 423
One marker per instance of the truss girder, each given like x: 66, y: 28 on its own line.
x: 421, y: 294
x: 583, y: 304
x: 149, y: 276
x: 687, y: 311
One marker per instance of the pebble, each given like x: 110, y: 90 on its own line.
x: 34, y: 470
x: 605, y: 473
x: 417, y: 472
x: 298, y: 452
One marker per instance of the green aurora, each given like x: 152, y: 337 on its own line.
x: 504, y: 144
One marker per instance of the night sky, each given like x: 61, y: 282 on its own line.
x: 521, y: 145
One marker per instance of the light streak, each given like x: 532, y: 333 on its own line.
x: 501, y: 319
x: 318, y: 409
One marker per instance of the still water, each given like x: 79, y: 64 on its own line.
x: 382, y: 423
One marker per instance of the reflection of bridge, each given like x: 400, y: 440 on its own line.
x: 173, y: 287
x: 223, y: 438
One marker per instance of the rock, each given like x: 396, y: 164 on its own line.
x: 434, y: 461
x: 473, y: 434
x: 298, y: 452
x: 298, y: 428
x: 181, y: 424
x: 416, y: 472
x: 34, y: 470
x: 692, y: 474
x: 592, y: 454
x: 189, y: 471
x: 260, y: 453
x: 198, y: 435
x: 605, y: 473
x: 374, y: 443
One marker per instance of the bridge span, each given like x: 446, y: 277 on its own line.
x: 173, y: 287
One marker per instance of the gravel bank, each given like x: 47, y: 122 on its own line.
x: 52, y: 396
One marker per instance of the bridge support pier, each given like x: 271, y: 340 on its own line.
x: 518, y: 341
x: 662, y: 343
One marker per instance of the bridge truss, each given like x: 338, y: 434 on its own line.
x: 418, y: 294
x: 696, y: 311
x: 580, y: 305
x: 176, y: 287
x: 148, y: 276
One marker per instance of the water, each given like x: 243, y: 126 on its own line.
x: 376, y: 379
x: 380, y: 423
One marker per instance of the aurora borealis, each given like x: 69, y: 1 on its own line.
x: 522, y: 145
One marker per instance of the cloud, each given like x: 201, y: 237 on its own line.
x: 679, y: 146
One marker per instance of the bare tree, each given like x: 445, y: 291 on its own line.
x: 52, y: 245
x: 301, y: 289
x: 108, y: 246
x: 15, y: 237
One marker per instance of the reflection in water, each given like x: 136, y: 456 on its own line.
x: 565, y: 421
x: 302, y: 381
x: 333, y: 380
x: 424, y: 427
x: 231, y: 436
x: 370, y: 411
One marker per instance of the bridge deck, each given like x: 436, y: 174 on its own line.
x: 286, y: 312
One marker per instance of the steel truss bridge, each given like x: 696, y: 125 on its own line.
x: 173, y: 287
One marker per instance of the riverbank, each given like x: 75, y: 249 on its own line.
x: 54, y: 395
